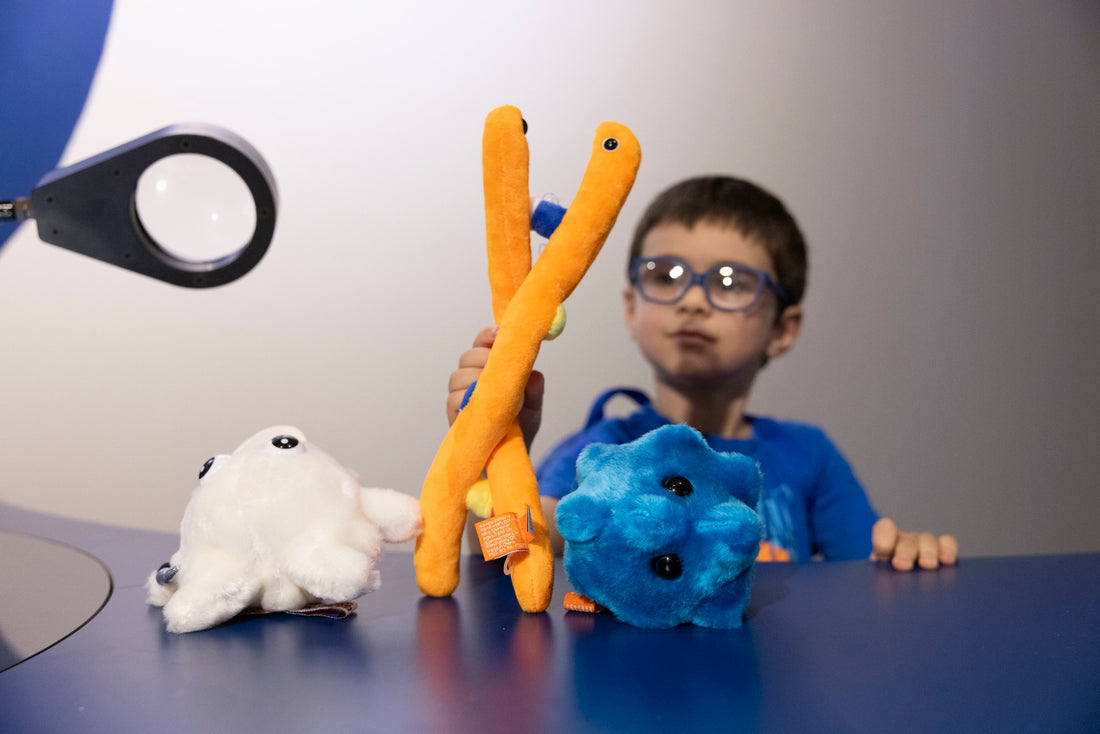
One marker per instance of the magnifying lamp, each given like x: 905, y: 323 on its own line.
x: 191, y: 204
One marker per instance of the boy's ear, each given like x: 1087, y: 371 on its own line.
x: 628, y: 307
x: 785, y: 332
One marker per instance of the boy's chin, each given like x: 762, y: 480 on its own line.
x: 699, y: 375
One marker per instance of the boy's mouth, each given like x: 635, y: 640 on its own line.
x: 691, y: 337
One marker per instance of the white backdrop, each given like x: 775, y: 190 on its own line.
x: 943, y: 159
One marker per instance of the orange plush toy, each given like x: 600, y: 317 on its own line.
x: 526, y: 299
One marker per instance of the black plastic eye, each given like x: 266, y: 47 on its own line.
x: 284, y: 442
x: 524, y: 125
x: 669, y: 566
x: 679, y: 486
x: 206, y: 467
x: 610, y: 144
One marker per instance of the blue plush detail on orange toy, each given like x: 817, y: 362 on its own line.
x: 663, y: 530
x: 546, y: 217
x: 467, y: 395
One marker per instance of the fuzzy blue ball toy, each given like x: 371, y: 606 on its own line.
x: 663, y: 530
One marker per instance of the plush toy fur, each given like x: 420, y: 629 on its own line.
x: 526, y: 299
x: 278, y: 525
x: 663, y: 530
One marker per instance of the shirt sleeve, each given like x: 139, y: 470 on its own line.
x: 557, y: 473
x: 841, y: 516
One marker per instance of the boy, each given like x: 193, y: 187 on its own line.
x: 716, y: 274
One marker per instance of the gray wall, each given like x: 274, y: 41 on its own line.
x: 942, y: 157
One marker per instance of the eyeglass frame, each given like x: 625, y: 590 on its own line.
x: 764, y: 282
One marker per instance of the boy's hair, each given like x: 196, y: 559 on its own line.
x: 733, y: 202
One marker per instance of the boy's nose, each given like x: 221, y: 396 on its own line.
x: 695, y: 299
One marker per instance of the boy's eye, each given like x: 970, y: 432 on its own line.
x: 662, y: 273
x: 664, y: 277
x: 728, y: 280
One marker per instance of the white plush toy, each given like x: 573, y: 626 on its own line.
x: 277, y: 525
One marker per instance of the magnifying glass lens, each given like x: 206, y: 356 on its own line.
x: 195, y: 207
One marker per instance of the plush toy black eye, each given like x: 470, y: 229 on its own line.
x: 206, y: 467
x: 524, y: 125
x: 610, y: 144
x: 284, y: 442
x: 679, y: 486
x: 669, y: 566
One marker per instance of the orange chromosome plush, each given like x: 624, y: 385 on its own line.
x: 526, y: 299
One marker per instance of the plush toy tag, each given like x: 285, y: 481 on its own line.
x: 501, y: 535
x: 332, y: 610
x: 574, y: 602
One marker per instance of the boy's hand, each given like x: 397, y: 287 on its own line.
x: 904, y: 550
x: 470, y: 365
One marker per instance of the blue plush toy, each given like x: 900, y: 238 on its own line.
x: 663, y: 530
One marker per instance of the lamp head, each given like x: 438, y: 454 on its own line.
x: 107, y: 207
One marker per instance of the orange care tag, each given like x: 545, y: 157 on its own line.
x: 500, y: 535
x: 574, y: 602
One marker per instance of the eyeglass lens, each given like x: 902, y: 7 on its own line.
x: 727, y: 286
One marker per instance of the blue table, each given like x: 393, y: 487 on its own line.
x: 994, y: 644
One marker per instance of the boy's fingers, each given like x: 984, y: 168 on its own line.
x: 457, y: 385
x: 470, y: 364
x: 478, y: 354
x: 929, y: 550
x: 473, y: 357
x: 532, y: 393
x: 454, y: 403
x: 884, y: 536
x: 949, y: 549
x: 530, y: 416
x: 905, y: 552
x: 462, y: 378
x: 486, y: 336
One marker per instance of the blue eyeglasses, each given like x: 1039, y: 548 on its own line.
x: 728, y: 286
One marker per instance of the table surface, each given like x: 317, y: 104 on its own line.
x: 993, y: 644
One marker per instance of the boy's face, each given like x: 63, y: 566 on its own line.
x: 690, y: 343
